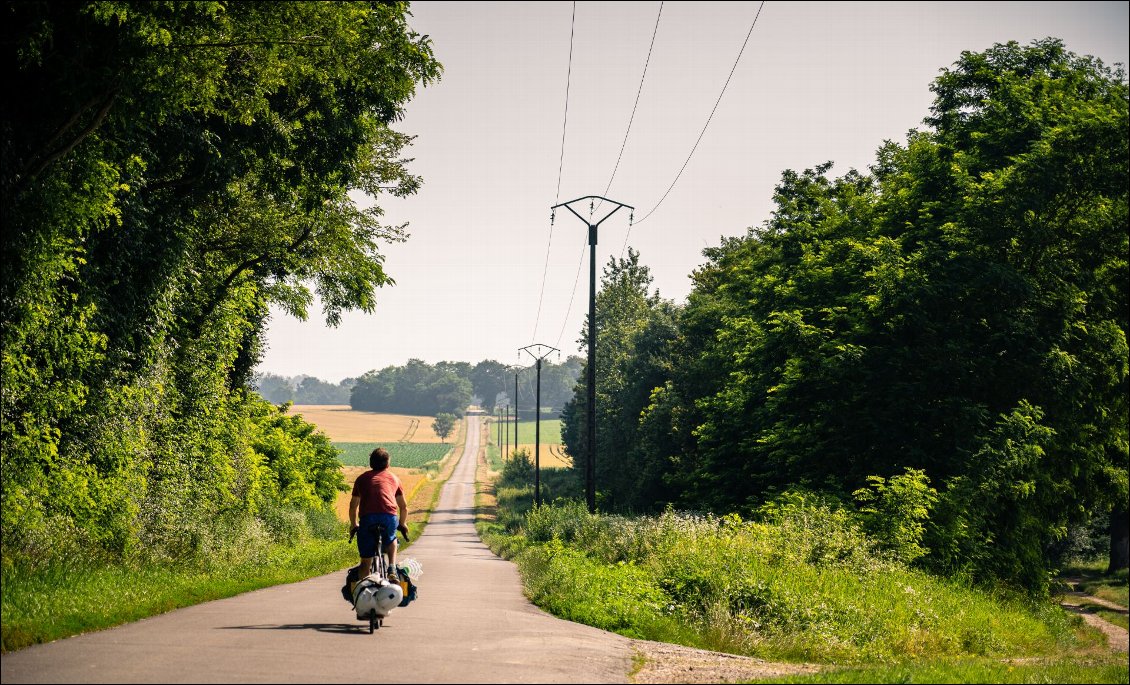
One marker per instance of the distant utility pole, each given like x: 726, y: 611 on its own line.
x: 516, y: 371
x: 538, y: 355
x: 506, y: 436
x: 590, y: 410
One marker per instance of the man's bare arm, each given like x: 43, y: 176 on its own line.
x: 354, y: 505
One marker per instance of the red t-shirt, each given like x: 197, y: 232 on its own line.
x: 378, y: 491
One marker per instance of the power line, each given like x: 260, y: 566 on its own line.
x: 624, y: 144
x: 576, y: 280
x: 708, y: 119
x: 638, y: 92
x: 560, y: 166
x: 568, y: 81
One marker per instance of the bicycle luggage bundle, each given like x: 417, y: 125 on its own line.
x: 375, y: 595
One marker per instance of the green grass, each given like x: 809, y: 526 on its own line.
x: 1093, y: 580
x: 1112, y: 670
x: 411, y: 455
x: 59, y: 602
x: 550, y: 432
x: 1115, y: 617
x: 494, y: 457
x: 807, y: 587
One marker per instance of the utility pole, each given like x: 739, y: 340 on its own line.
x: 538, y: 355
x: 516, y: 371
x: 590, y: 410
x: 506, y: 436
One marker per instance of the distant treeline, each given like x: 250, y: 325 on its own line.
x: 426, y: 389
x: 302, y: 389
x: 940, y: 342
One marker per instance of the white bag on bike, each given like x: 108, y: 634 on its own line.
x: 375, y: 595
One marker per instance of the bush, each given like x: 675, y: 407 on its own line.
x: 893, y: 512
x: 518, y: 470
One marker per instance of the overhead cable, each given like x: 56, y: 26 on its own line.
x: 703, y: 132
x: 576, y: 280
x: 623, y: 145
x: 638, y: 92
x: 560, y: 166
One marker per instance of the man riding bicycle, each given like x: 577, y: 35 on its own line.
x: 379, y: 501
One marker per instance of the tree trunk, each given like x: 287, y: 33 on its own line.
x: 1119, y: 547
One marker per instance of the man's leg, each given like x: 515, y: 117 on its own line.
x: 364, y: 570
x: 390, y: 549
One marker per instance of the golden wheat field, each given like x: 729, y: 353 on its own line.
x: 342, y: 424
x: 552, y: 456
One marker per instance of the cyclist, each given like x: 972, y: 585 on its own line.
x: 377, y: 511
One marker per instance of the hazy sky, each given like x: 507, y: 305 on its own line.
x: 817, y: 82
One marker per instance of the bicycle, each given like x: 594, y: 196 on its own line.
x: 375, y: 595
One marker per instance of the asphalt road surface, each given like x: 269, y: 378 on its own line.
x: 470, y: 624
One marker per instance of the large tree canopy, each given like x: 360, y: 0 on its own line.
x: 169, y: 171
x: 960, y: 311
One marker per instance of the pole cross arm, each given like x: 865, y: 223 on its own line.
x: 537, y: 353
x: 619, y: 206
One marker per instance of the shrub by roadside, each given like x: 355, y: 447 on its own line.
x: 803, y: 583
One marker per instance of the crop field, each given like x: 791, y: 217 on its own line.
x: 342, y: 424
x: 552, y: 454
x: 550, y: 431
x: 407, y: 455
x: 410, y: 440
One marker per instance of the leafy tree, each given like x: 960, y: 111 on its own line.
x: 633, y: 328
x: 488, y: 379
x: 895, y: 511
x: 960, y: 311
x: 316, y: 391
x: 169, y: 171
x: 415, y: 388
x: 443, y: 425
x: 1043, y: 158
x: 558, y: 381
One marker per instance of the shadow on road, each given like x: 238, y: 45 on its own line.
x: 320, y: 627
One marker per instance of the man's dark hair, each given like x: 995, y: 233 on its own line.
x: 378, y: 459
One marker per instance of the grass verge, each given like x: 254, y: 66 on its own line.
x: 58, y: 602
x: 804, y: 586
x: 1110, y: 670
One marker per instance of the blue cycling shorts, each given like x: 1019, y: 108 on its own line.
x: 373, y: 528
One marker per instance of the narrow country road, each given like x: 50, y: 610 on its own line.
x: 470, y: 624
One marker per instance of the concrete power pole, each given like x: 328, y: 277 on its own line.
x: 590, y: 409
x: 538, y: 355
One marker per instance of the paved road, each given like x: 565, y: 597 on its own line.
x: 471, y: 624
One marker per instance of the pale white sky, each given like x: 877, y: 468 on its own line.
x: 817, y: 82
